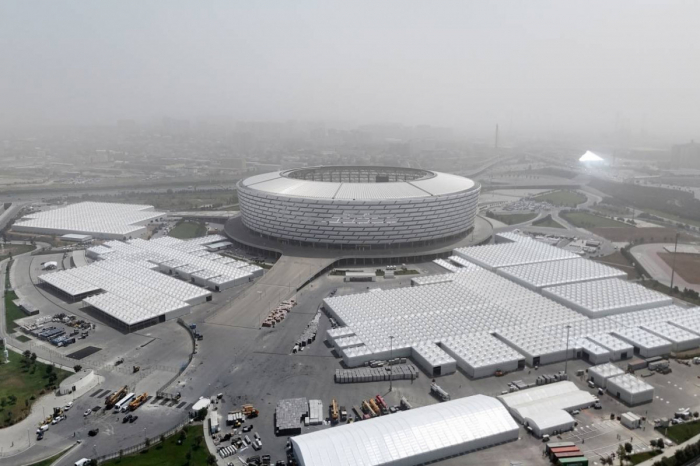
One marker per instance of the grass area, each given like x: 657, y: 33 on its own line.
x: 49, y: 461
x: 178, y: 199
x: 512, y: 219
x: 21, y: 384
x: 406, y: 272
x: 588, y: 220
x: 642, y: 457
x: 14, y: 249
x: 562, y: 198
x: 670, y: 216
x: 23, y: 338
x: 12, y: 311
x: 547, y: 222
x: 682, y: 432
x: 661, y: 288
x: 170, y: 453
x: 187, y: 230
x: 619, y: 261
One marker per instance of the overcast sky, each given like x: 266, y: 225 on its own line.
x: 533, y: 65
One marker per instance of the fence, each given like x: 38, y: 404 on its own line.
x: 147, y: 443
x: 189, y: 359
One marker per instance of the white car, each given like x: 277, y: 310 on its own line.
x: 87, y: 413
x: 57, y: 419
x: 68, y: 406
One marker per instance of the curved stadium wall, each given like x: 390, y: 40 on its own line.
x: 351, y: 207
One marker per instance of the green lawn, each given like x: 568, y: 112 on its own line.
x: 642, y: 457
x: 49, y: 461
x: 12, y: 312
x: 587, y: 220
x: 187, y: 230
x: 23, y: 338
x: 14, y: 249
x: 562, y: 198
x: 170, y: 453
x: 682, y: 432
x: 512, y: 219
x: 547, y: 222
x: 23, y: 383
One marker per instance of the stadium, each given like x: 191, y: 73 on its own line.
x: 358, y: 208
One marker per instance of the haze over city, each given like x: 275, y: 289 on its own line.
x: 537, y: 68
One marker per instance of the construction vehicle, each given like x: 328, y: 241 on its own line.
x: 138, y: 401
x: 335, y: 415
x: 358, y: 412
x: 405, y: 405
x: 438, y: 392
x: 367, y: 409
x: 112, y: 399
x: 119, y: 361
x: 136, y: 369
x: 249, y: 411
x: 374, y: 406
x: 382, y: 404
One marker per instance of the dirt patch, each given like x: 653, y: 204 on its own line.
x: 645, y: 235
x: 619, y: 261
x: 687, y: 265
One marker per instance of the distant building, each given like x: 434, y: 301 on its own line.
x: 686, y: 155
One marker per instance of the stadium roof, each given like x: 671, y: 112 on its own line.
x: 429, y: 185
x: 410, y: 437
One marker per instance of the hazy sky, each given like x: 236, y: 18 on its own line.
x: 533, y: 65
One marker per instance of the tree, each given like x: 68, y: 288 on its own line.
x: 33, y: 357
x: 621, y: 453
x: 628, y: 448
x: 148, y: 442
x: 211, y: 459
x: 183, y: 435
x: 696, y: 414
x: 77, y: 368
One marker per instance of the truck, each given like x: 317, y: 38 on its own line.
x: 367, y: 409
x: 250, y: 411
x: 123, y: 404
x: 357, y: 411
x: 405, y: 405
x: 382, y: 404
x: 343, y: 414
x: 138, y: 401
x: 375, y: 408
x: 438, y: 392
x: 335, y: 415
x: 112, y: 399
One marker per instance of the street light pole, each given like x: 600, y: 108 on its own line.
x: 391, y: 367
x: 673, y: 269
x: 566, y: 356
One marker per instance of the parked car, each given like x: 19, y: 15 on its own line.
x: 94, y: 432
x: 68, y: 406
x: 87, y: 413
x: 248, y: 428
x: 133, y: 419
x: 126, y: 419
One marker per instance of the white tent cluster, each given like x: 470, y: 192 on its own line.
x: 496, y: 312
x: 103, y: 220
x: 127, y: 286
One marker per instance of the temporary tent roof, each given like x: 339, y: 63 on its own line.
x: 553, y: 273
x: 531, y: 402
x: 410, y: 437
x: 606, y: 297
x: 510, y: 254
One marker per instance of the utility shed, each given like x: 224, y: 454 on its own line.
x: 410, y: 438
x: 645, y: 344
x: 630, y: 389
x: 600, y: 374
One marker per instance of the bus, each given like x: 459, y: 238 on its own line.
x: 123, y: 404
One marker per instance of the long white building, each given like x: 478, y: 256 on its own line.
x: 102, y: 220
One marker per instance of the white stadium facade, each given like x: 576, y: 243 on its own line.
x: 338, y: 207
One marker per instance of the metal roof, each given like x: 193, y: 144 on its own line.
x: 438, y: 185
x: 410, y: 437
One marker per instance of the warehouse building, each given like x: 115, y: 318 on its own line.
x: 124, y: 284
x: 630, y: 389
x: 413, y: 437
x: 485, y: 321
x: 546, y: 408
x: 599, y: 375
x: 102, y: 220
x: 601, y: 298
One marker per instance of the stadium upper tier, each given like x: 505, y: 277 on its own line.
x: 366, y: 206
